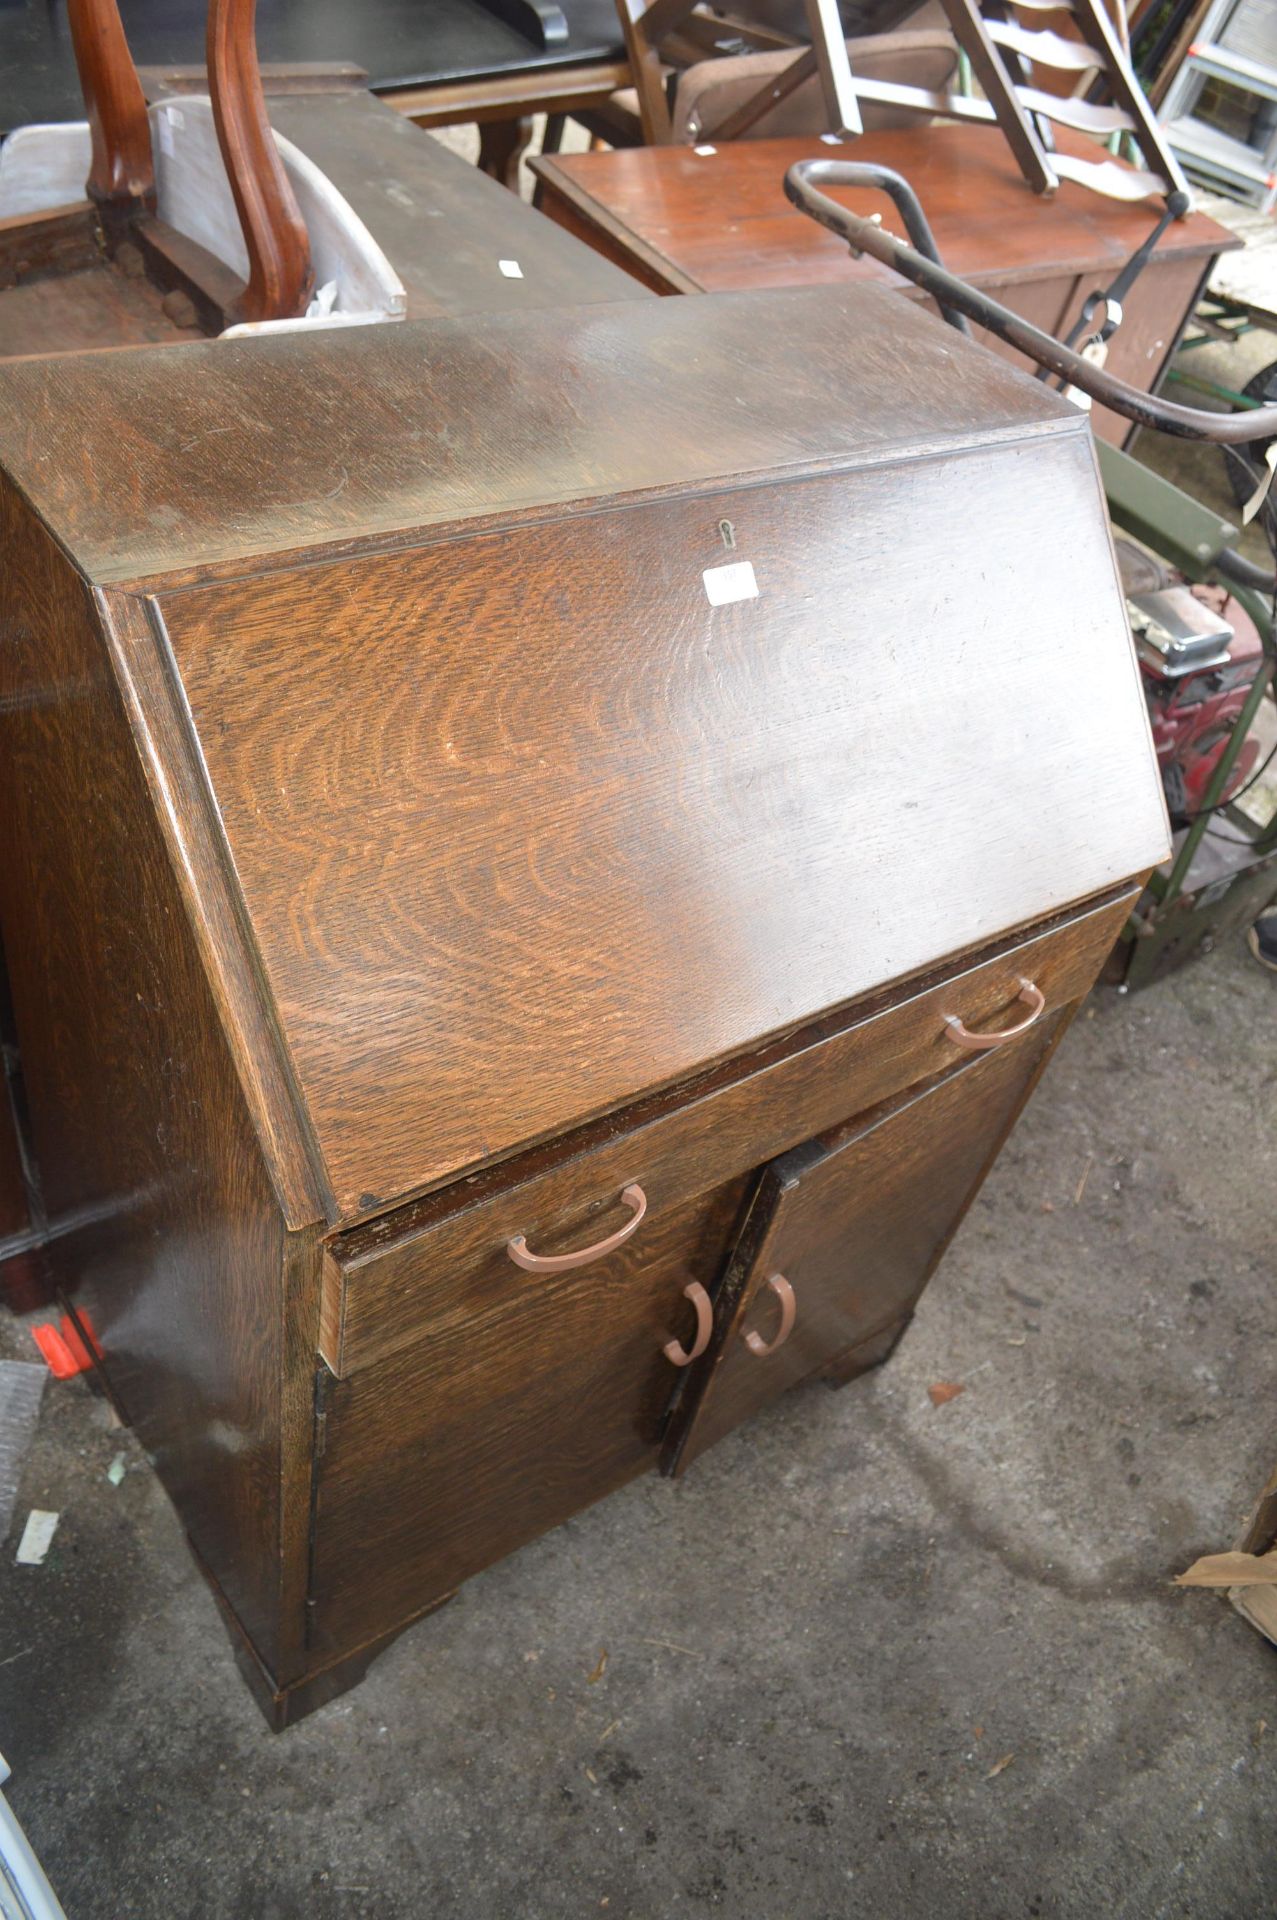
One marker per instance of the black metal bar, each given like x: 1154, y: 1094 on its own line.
x: 956, y: 297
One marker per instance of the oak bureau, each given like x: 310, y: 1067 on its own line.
x: 543, y: 855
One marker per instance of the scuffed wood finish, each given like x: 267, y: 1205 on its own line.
x: 855, y: 1222
x: 37, y: 246
x: 445, y: 226
x: 451, y: 422
x: 683, y: 222
x: 404, y: 854
x: 502, y: 1423
x: 425, y: 1269
x: 164, y: 1230
x: 280, y: 280
x: 122, y: 175
x: 589, y: 789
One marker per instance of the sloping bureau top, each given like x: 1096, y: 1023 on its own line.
x: 205, y: 455
x: 524, y: 825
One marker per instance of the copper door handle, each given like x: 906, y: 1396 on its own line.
x: 560, y: 1262
x: 962, y: 1036
x: 788, y: 1312
x: 675, y: 1352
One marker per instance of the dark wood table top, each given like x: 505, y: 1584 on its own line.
x: 687, y: 221
x: 400, y: 43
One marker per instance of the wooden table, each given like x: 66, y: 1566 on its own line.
x: 442, y: 62
x: 689, y: 222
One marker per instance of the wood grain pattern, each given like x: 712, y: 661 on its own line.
x: 164, y: 1229
x: 58, y: 241
x: 392, y: 817
x: 83, y: 311
x: 684, y: 222
x: 427, y: 1267
x: 204, y: 873
x: 653, y: 829
x: 501, y: 1424
x: 386, y: 430
x: 856, y: 1221
x: 442, y: 223
x: 280, y: 280
x: 122, y: 174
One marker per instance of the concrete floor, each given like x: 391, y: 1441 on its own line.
x: 871, y: 1658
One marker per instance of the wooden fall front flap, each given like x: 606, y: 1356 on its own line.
x: 547, y: 810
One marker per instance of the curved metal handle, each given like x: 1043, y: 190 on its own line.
x: 674, y: 1351
x: 954, y: 297
x: 560, y: 1262
x: 788, y: 1313
x: 962, y: 1036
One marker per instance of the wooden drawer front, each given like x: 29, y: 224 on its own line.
x: 853, y: 1225
x: 490, y: 1430
x: 430, y: 1267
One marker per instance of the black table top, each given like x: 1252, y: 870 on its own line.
x: 398, y: 43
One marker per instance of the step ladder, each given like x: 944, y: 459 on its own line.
x: 1237, y: 49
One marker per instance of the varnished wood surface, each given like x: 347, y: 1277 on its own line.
x: 684, y: 222
x: 150, y: 464
x: 93, y: 307
x: 424, y: 1270
x: 855, y: 1223
x: 121, y: 173
x: 502, y: 1424
x: 164, y: 1229
x: 388, y: 805
x: 656, y: 831
x: 280, y: 278
x: 442, y: 224
x: 722, y: 219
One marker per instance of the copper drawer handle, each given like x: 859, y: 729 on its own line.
x: 675, y: 1352
x: 788, y: 1311
x: 560, y: 1262
x: 963, y: 1037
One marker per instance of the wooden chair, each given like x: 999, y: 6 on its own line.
x: 649, y: 24
x: 106, y: 269
x: 672, y: 101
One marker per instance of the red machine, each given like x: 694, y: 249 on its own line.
x: 1199, y: 654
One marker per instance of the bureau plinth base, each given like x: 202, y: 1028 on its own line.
x: 866, y: 1354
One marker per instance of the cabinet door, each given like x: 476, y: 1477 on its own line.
x: 843, y: 1234
x: 512, y: 1413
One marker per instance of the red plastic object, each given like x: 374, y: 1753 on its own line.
x: 1193, y: 715
x: 65, y: 1351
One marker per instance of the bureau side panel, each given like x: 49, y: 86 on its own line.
x: 165, y: 1236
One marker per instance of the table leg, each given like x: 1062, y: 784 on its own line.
x: 502, y: 144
